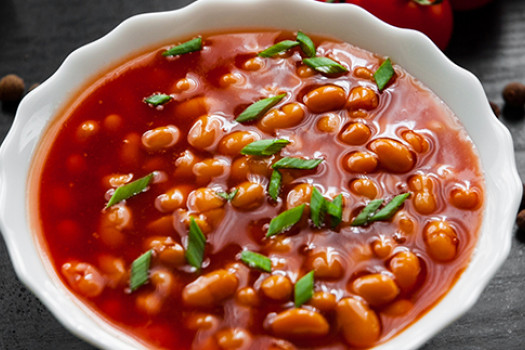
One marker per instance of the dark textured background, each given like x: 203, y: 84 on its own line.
x: 36, y: 36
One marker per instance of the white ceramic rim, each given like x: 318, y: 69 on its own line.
x: 460, y: 90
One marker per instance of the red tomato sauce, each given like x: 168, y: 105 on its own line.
x: 370, y: 281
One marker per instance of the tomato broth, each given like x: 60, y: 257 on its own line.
x: 337, y: 274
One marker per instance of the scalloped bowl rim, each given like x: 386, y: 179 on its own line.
x: 411, y: 49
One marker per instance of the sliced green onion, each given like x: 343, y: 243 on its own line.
x: 307, y: 45
x: 186, y: 47
x: 304, y: 289
x: 335, y: 210
x: 325, y: 65
x: 259, y: 108
x: 274, y: 187
x: 317, y: 208
x: 285, y: 220
x: 296, y: 163
x: 256, y: 261
x: 129, y: 190
x: 157, y: 99
x: 383, y: 74
x: 390, y: 208
x: 278, y: 48
x: 364, y: 216
x: 196, y: 242
x: 140, y: 271
x: 228, y: 196
x: 264, y: 147
x: 370, y: 213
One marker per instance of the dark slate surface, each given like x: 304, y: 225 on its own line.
x: 36, y: 36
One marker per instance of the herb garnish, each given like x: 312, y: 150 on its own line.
x: 186, y: 47
x: 304, y: 289
x: 383, y: 74
x: 259, y: 108
x: 285, y: 220
x: 196, y: 242
x: 325, y: 65
x: 264, y: 147
x: 228, y: 196
x: 307, y: 45
x: 317, y: 208
x: 278, y: 48
x: 390, y: 208
x: 370, y: 213
x: 296, y: 163
x: 140, y: 271
x: 256, y: 261
x: 320, y: 207
x: 158, y: 99
x: 335, y: 210
x: 129, y: 190
x: 274, y: 187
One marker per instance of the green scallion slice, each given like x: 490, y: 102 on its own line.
x: 325, y: 65
x: 307, y: 45
x: 285, y: 220
x: 317, y: 208
x: 304, y: 289
x: 140, y: 271
x: 296, y: 163
x: 196, y: 242
x: 335, y: 210
x: 364, y: 216
x: 390, y: 208
x: 158, y: 99
x: 274, y: 187
x: 278, y: 48
x: 383, y: 74
x: 258, y: 109
x: 264, y: 147
x: 256, y: 261
x: 186, y: 47
x: 129, y: 190
x: 228, y: 196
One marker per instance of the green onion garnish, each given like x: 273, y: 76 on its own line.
x: 296, y: 163
x: 187, y: 47
x: 129, y: 190
x: 274, y: 187
x: 304, y: 289
x: 307, y: 45
x: 264, y: 147
x: 390, y: 208
x: 196, y: 241
x: 320, y: 207
x: 228, y: 196
x: 370, y: 213
x: 278, y: 48
x: 383, y: 74
x: 324, y: 65
x: 317, y: 208
x: 140, y: 271
x: 285, y: 220
x: 259, y: 108
x: 256, y: 261
x: 335, y: 210
x: 364, y: 216
x: 157, y: 99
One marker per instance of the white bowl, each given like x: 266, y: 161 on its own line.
x: 410, y: 49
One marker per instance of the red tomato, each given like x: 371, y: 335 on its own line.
x: 435, y: 20
x: 462, y: 5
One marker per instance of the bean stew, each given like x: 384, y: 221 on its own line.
x: 258, y: 190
